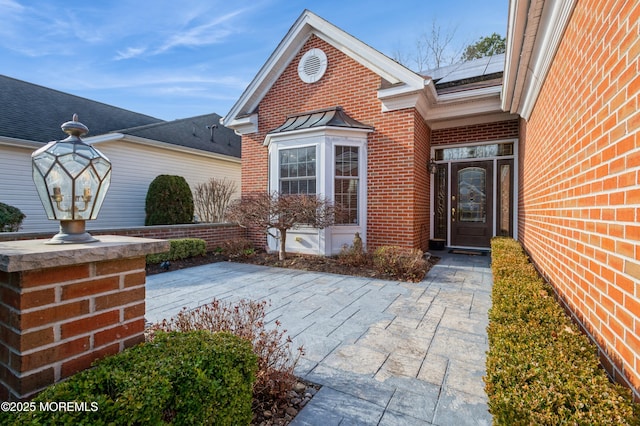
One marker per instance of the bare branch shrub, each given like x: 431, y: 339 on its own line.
x: 355, y: 254
x: 269, y: 211
x: 402, y: 263
x: 246, y: 319
x: 211, y: 199
x: 238, y: 248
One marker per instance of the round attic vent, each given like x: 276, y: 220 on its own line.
x: 312, y: 66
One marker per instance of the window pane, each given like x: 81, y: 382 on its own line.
x: 480, y: 151
x: 298, y: 170
x: 472, y: 195
x: 346, y: 182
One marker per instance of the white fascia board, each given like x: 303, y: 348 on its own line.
x: 456, y: 121
x: 21, y: 143
x: 479, y: 106
x: 554, y: 21
x: 515, y: 38
x: 271, y: 69
x: 402, y: 97
x: 365, y: 55
x: 535, y: 32
x: 310, y: 24
x: 324, y: 130
x: 244, y: 125
x: 434, y: 107
x: 117, y: 137
x: 469, y: 95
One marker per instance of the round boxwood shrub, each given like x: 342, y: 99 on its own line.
x: 10, y: 218
x: 193, y: 378
x: 169, y: 201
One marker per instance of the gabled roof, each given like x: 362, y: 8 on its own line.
x: 202, y: 132
x: 35, y: 113
x: 461, y: 93
x: 398, y: 76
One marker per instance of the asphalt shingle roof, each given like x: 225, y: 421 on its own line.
x: 35, y: 113
x: 193, y: 132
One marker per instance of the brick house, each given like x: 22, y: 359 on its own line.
x: 328, y: 114
x: 540, y: 144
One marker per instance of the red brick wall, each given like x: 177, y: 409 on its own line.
x: 55, y: 322
x: 213, y: 234
x: 397, y: 179
x: 580, y: 179
x: 476, y: 133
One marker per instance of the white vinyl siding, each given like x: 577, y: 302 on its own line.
x: 134, y: 167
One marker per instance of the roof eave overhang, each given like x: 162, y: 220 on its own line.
x: 306, y: 25
x: 434, y: 107
x: 21, y: 143
x: 534, y: 33
x: 121, y: 137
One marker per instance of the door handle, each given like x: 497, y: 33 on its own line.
x: 453, y: 214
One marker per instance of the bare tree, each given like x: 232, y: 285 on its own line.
x: 212, y: 198
x: 433, y: 49
x: 281, y: 212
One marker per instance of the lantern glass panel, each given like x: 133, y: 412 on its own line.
x: 102, y: 167
x: 101, y: 193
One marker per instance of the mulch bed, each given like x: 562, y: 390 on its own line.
x: 294, y: 261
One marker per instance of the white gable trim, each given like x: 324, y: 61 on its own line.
x: 306, y: 25
x: 534, y: 33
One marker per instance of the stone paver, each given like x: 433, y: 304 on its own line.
x: 386, y: 353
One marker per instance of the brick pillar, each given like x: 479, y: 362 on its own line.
x: 64, y: 306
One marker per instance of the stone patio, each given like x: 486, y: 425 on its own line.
x: 386, y: 353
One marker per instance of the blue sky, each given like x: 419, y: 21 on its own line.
x: 175, y: 59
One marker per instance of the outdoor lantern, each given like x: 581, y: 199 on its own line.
x: 433, y: 167
x: 72, y: 179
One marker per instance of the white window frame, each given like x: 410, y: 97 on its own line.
x: 331, y: 240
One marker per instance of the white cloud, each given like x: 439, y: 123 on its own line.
x: 201, y: 35
x: 129, y: 52
x: 10, y: 6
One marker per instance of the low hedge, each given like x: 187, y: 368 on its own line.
x: 181, y: 248
x: 540, y: 368
x: 10, y: 218
x: 177, y: 378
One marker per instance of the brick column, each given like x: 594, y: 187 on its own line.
x: 64, y: 306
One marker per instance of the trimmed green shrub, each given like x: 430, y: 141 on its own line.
x: 401, y: 263
x: 247, y: 319
x: 181, y: 248
x: 178, y: 378
x: 10, y: 218
x: 540, y: 368
x: 169, y: 201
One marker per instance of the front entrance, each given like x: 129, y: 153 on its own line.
x: 473, y: 194
x: 472, y: 204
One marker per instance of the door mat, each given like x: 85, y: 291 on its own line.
x: 468, y: 252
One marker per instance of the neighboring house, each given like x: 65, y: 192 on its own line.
x: 540, y: 144
x: 140, y: 148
